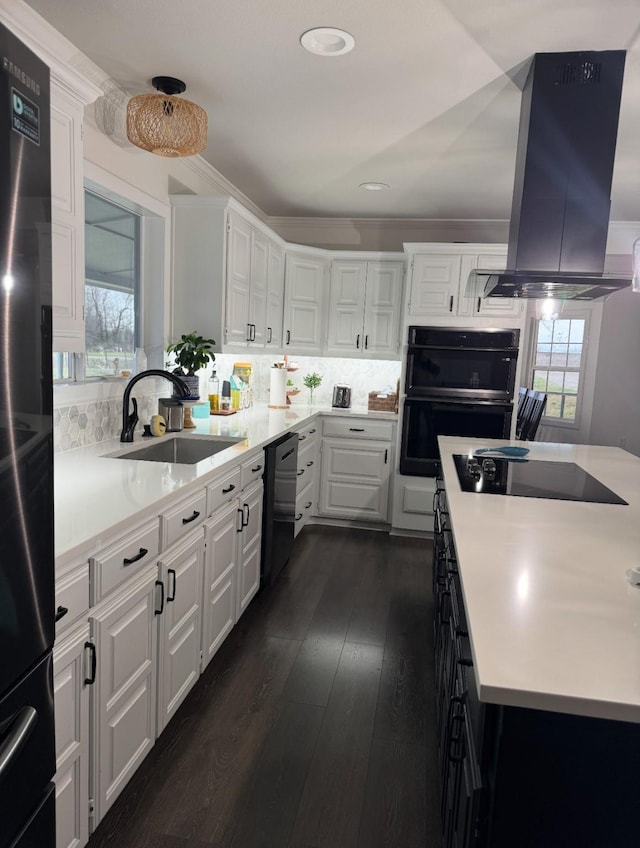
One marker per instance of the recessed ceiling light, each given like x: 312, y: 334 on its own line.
x: 327, y: 41
x: 374, y: 186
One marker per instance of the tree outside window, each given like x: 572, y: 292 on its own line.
x: 559, y: 358
x: 112, y: 236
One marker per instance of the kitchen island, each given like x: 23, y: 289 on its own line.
x: 538, y: 657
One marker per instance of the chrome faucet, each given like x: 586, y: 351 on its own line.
x: 129, y: 420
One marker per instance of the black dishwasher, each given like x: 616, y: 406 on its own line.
x: 278, y: 515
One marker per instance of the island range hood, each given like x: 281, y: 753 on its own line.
x: 564, y: 166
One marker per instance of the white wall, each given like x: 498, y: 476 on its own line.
x: 616, y: 412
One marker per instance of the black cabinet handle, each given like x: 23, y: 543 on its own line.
x: 309, y: 464
x: 356, y: 429
x: 451, y: 304
x: 358, y: 341
x: 307, y: 505
x: 161, y: 610
x: 366, y: 342
x: 270, y: 336
x: 61, y: 612
x: 171, y: 573
x: 89, y: 681
x: 229, y: 489
x: 300, y: 473
x: 256, y: 469
x: 301, y: 439
x: 479, y: 304
x: 142, y: 552
x: 311, y: 432
x: 386, y: 455
x: 192, y: 518
x: 288, y: 336
x: 454, y: 739
x: 299, y: 516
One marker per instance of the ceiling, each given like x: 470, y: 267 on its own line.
x: 425, y: 102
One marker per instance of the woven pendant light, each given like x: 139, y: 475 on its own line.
x: 165, y: 124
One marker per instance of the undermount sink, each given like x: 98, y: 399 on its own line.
x: 182, y: 450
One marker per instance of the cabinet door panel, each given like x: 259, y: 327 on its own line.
x: 71, y: 697
x: 275, y: 297
x: 383, y: 304
x: 258, y: 289
x: 346, y: 307
x: 124, y: 695
x: 355, y: 479
x: 180, y: 635
x: 238, y: 281
x: 250, y: 538
x: 434, y: 285
x: 304, y: 303
x: 221, y: 560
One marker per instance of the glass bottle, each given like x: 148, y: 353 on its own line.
x: 214, y: 393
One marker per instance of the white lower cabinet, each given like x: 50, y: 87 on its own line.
x: 233, y: 537
x: 123, y: 703
x: 71, y: 665
x: 220, y: 578
x: 250, y: 538
x: 355, y: 468
x: 179, y: 625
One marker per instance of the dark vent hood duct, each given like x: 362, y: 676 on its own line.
x: 564, y: 166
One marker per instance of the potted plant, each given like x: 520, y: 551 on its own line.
x: 312, y: 381
x: 191, y: 353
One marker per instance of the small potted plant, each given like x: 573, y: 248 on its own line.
x: 312, y: 381
x: 191, y: 353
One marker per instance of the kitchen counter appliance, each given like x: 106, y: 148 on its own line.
x: 525, y: 478
x: 459, y: 382
x: 278, y: 514
x: 341, y: 396
x: 27, y: 596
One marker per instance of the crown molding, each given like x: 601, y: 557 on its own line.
x: 71, y: 69
x: 220, y: 185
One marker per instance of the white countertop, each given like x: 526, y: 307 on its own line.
x: 97, y: 496
x: 554, y: 623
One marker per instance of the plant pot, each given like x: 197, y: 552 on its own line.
x: 193, y: 382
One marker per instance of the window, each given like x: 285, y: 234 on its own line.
x: 558, y: 366
x: 112, y: 286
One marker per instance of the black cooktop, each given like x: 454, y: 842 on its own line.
x: 531, y: 478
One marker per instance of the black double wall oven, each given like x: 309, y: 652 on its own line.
x: 459, y: 382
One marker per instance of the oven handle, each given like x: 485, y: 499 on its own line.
x: 461, y: 401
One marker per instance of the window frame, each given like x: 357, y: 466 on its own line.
x: 568, y: 313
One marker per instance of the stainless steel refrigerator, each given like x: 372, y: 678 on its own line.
x: 27, y: 748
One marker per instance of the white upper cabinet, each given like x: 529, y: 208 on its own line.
x: 275, y: 297
x: 438, y: 282
x: 227, y: 274
x: 364, y: 307
x: 67, y: 220
x: 304, y: 302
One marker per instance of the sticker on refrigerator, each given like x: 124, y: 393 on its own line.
x: 25, y: 117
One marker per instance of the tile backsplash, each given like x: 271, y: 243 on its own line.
x: 84, y: 415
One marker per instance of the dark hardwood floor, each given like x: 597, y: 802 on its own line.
x: 314, y: 724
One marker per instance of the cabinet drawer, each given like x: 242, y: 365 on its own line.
x: 308, y: 457
x: 251, y: 469
x: 179, y: 520
x: 358, y: 428
x: 123, y: 559
x: 305, y: 507
x: 223, y: 489
x: 306, y: 434
x: 72, y: 597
